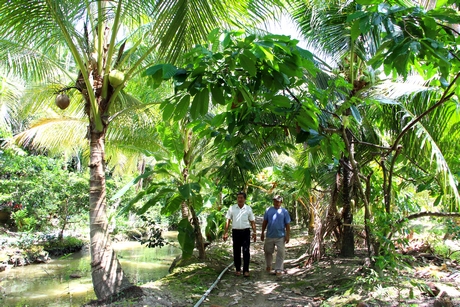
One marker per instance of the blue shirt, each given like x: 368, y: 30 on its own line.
x: 277, y: 221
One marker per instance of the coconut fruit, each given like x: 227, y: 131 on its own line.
x: 116, y: 78
x: 62, y: 101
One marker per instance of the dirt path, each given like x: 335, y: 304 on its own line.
x: 326, y: 283
x: 332, y: 282
x: 262, y: 288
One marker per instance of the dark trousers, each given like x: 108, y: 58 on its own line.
x: 241, y: 240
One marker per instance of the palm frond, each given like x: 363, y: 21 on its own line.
x: 11, y: 90
x: 55, y: 135
x: 429, y: 143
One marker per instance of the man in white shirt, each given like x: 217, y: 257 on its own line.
x: 242, y: 219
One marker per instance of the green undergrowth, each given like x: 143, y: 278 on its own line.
x: 197, y: 273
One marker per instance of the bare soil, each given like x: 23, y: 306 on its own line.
x: 333, y: 281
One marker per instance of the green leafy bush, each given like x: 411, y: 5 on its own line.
x: 41, y: 191
x: 57, y: 247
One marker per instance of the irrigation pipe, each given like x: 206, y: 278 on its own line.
x: 212, y: 286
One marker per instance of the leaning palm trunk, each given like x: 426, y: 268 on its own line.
x: 106, y: 272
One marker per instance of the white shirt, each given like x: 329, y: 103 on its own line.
x: 240, y: 216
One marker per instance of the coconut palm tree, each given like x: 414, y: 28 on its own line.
x: 104, y: 44
x: 357, y: 42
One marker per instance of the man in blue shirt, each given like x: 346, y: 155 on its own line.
x: 276, y: 221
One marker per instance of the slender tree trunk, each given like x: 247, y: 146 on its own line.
x: 185, y: 212
x: 348, y: 242
x: 199, y: 242
x: 311, y: 216
x: 107, y: 275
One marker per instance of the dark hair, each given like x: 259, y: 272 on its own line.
x: 241, y: 193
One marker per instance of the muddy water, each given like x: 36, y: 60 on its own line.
x: 50, y: 284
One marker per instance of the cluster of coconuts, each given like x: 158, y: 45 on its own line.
x: 116, y: 78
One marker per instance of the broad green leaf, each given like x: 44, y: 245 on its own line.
x: 355, y: 15
x: 204, y: 101
x: 281, y: 101
x: 249, y: 39
x: 218, y: 120
x: 306, y: 121
x: 172, y: 205
x: 283, y: 47
x: 247, y: 64
x: 176, y: 148
x: 214, y: 35
x: 182, y: 107
x: 365, y: 24
x: 180, y: 77
x: 168, y: 71
x: 278, y: 37
x: 195, y: 188
x: 168, y: 111
x: 355, y: 30
x: 186, y: 191
x: 250, y: 55
x: 195, y: 107
x: 154, y: 69
x: 198, y: 71
x: 263, y: 53
x: 227, y: 40
x: 198, y: 202
x: 337, y: 145
x: 238, y: 32
x: 186, y: 238
x: 217, y: 93
x: 290, y: 69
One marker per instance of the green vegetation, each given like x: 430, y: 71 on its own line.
x: 40, y: 191
x: 169, y: 115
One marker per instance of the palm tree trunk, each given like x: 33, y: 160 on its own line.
x: 347, y: 244
x: 107, y: 275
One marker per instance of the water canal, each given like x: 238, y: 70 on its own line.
x: 50, y: 284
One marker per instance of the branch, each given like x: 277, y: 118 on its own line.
x: 428, y: 213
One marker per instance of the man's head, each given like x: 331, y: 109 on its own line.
x: 277, y: 200
x: 241, y: 198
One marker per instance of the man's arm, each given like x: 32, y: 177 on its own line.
x: 254, y: 230
x: 288, y: 232
x: 227, y: 224
x: 264, y: 226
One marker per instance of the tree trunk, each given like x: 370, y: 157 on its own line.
x: 348, y: 241
x: 107, y: 275
x: 199, y: 242
x: 325, y: 224
x: 185, y: 212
